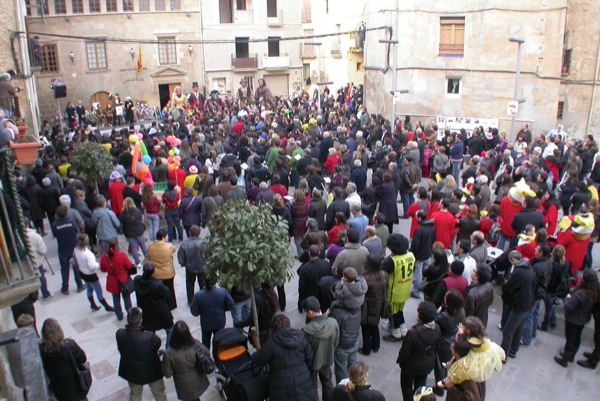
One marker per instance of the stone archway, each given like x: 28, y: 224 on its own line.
x: 99, y: 97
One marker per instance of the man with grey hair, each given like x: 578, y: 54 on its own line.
x: 484, y: 190
x: 518, y: 296
x: 372, y: 242
x: 65, y: 200
x: 352, y: 196
x: 359, y: 176
x: 358, y: 221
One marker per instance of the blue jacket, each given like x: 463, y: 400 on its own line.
x: 456, y: 150
x: 211, y: 305
x: 65, y: 231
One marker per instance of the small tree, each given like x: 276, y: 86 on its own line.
x: 247, y: 246
x: 91, y: 161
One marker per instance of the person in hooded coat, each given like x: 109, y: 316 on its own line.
x: 289, y: 356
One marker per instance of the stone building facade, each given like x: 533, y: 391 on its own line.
x: 455, y: 59
x: 214, y: 43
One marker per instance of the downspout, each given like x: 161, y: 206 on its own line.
x: 589, y: 122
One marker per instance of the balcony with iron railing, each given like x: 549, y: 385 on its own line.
x: 308, y: 51
x: 18, y: 278
x: 276, y: 62
x: 244, y: 16
x: 248, y: 63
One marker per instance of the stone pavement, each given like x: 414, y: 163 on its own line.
x: 533, y: 375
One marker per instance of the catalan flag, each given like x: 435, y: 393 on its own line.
x: 139, y: 60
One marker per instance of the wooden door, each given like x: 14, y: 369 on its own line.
x: 172, y: 88
x: 98, y: 97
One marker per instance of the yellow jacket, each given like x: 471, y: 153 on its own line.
x: 161, y: 254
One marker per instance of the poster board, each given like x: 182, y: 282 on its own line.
x: 455, y: 124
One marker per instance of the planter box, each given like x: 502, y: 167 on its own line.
x: 26, y: 150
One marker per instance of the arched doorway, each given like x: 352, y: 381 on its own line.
x: 98, y: 97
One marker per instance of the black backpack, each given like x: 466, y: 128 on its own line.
x: 561, y: 279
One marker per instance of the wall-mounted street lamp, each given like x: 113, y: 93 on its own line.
x: 132, y: 52
x: 72, y: 57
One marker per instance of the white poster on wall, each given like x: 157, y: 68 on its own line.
x: 455, y: 124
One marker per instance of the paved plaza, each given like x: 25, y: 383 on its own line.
x: 533, y: 375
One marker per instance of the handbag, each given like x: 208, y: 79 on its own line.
x: 84, y: 374
x: 204, y: 363
x: 126, y: 287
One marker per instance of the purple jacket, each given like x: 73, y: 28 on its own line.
x: 190, y: 211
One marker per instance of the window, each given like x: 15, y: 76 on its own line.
x: 28, y: 7
x: 44, y: 5
x: 159, y: 5
x: 306, y: 71
x: 308, y: 51
x: 77, y: 6
x: 94, y: 6
x: 559, y: 112
x: 359, y: 66
x: 111, y: 6
x: 240, y: 5
x: 242, y: 48
x: 271, y: 8
x: 144, y: 5
x: 306, y: 11
x: 274, y: 46
x: 452, y: 36
x: 566, y: 62
x: 60, y: 7
x: 225, y: 12
x: 96, y: 55
x: 127, y: 5
x: 167, y: 51
x: 49, y: 58
x: 219, y: 84
x: 453, y: 87
x: 175, y: 5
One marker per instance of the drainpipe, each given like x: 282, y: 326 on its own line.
x: 589, y: 122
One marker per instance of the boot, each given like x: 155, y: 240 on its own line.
x: 588, y: 363
x: 564, y: 356
x: 563, y: 359
x: 93, y: 304
x: 107, y: 307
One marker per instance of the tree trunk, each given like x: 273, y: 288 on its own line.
x: 254, y: 330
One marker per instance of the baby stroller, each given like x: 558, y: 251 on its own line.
x: 237, y: 377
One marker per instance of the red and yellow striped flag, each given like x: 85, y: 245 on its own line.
x: 139, y: 60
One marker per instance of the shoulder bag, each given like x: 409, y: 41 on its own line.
x: 204, y: 362
x: 84, y: 375
x: 126, y: 287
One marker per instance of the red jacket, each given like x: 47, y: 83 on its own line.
x: 115, y: 194
x: 120, y: 262
x: 508, y: 210
x: 575, y: 248
x: 412, y: 213
x: 528, y: 250
x: 178, y: 175
x: 445, y: 225
x: 551, y: 217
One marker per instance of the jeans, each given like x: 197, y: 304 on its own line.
x: 503, y: 241
x: 298, y: 244
x: 103, y: 244
x: 157, y: 388
x: 587, y: 261
x: 456, y: 163
x: 153, y: 223
x: 531, y: 323
x: 573, y: 336
x: 410, y: 382
x: 371, y: 338
x: 117, y: 304
x: 420, y: 267
x: 407, y: 198
x: 207, y: 336
x: 173, y: 221
x: 44, y: 283
x: 323, y: 374
x: 549, y: 315
x: 512, y: 330
x: 190, y: 282
x: 64, y: 271
x: 92, y: 287
x: 343, y: 359
x: 240, y: 311
x: 133, y: 244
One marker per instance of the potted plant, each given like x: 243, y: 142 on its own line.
x: 91, y: 161
x: 25, y: 148
x: 21, y: 125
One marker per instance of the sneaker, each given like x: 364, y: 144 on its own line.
x: 81, y: 288
x: 386, y: 326
x: 391, y: 338
x: 48, y: 297
x: 64, y: 292
x: 500, y: 326
x: 416, y: 296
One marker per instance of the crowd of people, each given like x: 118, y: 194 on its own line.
x: 482, y: 211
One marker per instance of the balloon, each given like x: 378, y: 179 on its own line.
x: 137, y: 154
x: 177, y: 163
x: 170, y: 159
x: 148, y: 180
x: 171, y: 152
x: 133, y: 138
x: 171, y: 167
x: 177, y: 142
x: 176, y: 151
x: 146, y: 159
x: 144, y: 170
x: 143, y: 147
x: 178, y: 158
x: 140, y: 135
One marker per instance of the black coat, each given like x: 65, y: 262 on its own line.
x: 289, y: 356
x: 360, y: 393
x: 139, y: 363
x: 423, y: 240
x: 152, y: 298
x: 338, y: 205
x: 309, y: 275
x: 478, y: 300
x: 524, y: 217
x: 519, y: 289
x: 61, y: 371
x: 419, y: 349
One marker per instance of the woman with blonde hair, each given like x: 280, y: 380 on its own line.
x: 133, y: 228
x: 57, y: 355
x: 355, y: 387
x: 152, y: 208
x: 448, y: 187
x: 88, y: 268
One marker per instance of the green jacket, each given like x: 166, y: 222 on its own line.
x: 323, y: 334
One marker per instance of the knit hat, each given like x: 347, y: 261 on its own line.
x: 193, y: 169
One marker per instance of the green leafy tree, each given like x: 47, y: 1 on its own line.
x: 91, y: 161
x: 247, y: 246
